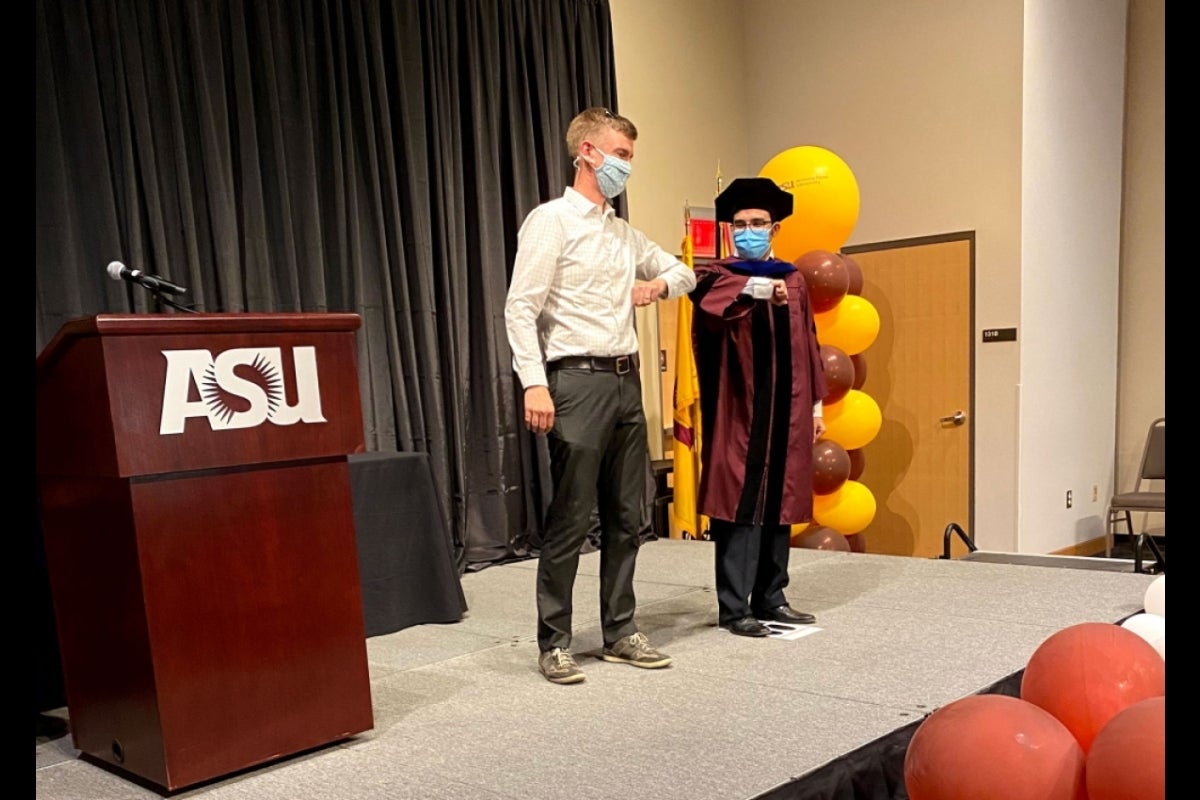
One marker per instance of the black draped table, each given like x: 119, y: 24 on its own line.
x: 405, y: 555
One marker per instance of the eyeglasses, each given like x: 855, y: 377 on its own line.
x: 754, y: 224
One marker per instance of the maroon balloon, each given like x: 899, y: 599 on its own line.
x: 826, y: 276
x: 820, y: 538
x: 831, y: 466
x: 856, y: 275
x: 858, y: 462
x: 858, y: 542
x: 860, y: 370
x: 839, y: 372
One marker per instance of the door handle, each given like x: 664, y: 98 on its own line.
x: 957, y: 418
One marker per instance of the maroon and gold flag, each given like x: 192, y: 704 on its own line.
x: 686, y: 428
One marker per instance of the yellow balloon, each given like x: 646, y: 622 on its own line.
x: 798, y: 528
x: 848, y: 510
x: 852, y: 421
x: 851, y: 326
x: 826, y: 200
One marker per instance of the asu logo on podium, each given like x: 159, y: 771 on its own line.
x: 230, y: 401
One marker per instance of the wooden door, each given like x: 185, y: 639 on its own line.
x: 920, y: 372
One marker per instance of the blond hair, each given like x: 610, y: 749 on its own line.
x: 591, y: 120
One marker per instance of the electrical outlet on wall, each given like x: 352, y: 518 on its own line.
x: 1069, y: 498
x: 1095, y: 493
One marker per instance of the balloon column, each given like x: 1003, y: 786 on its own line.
x: 1090, y: 723
x: 825, y: 212
x: 826, y: 206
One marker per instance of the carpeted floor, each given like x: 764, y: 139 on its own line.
x: 461, y: 713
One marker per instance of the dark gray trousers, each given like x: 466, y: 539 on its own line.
x: 597, y: 460
x: 752, y: 564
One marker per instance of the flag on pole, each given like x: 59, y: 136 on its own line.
x: 725, y: 246
x: 686, y: 427
x: 725, y: 232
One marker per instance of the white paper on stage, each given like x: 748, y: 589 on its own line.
x: 782, y: 630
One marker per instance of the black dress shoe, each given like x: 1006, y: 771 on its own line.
x: 748, y: 626
x: 786, y: 613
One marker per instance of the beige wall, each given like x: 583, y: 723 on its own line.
x: 1142, y: 368
x: 680, y: 79
x: 1073, y: 115
x: 952, y: 117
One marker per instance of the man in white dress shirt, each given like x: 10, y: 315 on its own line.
x: 580, y: 271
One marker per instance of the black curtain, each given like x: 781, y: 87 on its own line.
x: 327, y: 155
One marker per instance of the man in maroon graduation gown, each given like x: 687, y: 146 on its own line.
x: 762, y: 380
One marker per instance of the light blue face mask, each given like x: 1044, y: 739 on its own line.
x: 612, y: 174
x: 752, y: 244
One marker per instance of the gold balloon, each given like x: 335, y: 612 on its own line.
x: 848, y: 510
x: 853, y: 421
x: 851, y: 326
x: 825, y: 209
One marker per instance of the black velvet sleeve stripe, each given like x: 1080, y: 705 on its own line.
x: 781, y: 413
x: 708, y: 352
x: 760, y: 415
x: 702, y: 287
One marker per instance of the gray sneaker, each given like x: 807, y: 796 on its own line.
x: 634, y: 649
x: 558, y: 665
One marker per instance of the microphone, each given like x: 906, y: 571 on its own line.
x: 118, y: 271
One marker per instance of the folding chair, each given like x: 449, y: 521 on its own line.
x: 1144, y: 498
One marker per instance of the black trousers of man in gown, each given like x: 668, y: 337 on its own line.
x: 752, y: 564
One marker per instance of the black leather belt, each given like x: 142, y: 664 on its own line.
x: 618, y: 364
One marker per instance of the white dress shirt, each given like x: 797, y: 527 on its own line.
x: 572, y: 284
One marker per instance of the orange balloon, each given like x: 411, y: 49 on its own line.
x: 825, y: 206
x: 1029, y: 753
x: 1128, y: 758
x: 1086, y: 674
x: 847, y: 510
x: 854, y: 421
x: 851, y: 326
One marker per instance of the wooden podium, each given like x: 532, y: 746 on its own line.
x: 196, y: 508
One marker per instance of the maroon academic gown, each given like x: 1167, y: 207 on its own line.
x: 760, y: 371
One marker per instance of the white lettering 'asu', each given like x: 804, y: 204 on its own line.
x: 216, y: 380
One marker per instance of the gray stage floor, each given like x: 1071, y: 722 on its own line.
x: 462, y: 712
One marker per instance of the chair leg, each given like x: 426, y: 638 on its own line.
x: 1160, y: 564
x: 1143, y: 538
x: 1108, y: 533
x: 1115, y: 516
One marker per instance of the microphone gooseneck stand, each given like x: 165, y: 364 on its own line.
x: 164, y: 301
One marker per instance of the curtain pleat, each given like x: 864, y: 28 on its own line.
x: 328, y: 155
